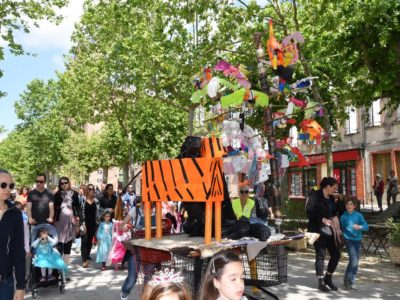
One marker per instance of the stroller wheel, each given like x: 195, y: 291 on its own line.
x: 62, y: 288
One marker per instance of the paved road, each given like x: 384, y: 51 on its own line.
x: 378, y: 279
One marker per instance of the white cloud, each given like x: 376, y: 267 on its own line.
x: 52, y: 36
x: 58, y: 62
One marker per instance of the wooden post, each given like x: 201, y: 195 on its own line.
x: 208, y: 225
x: 218, y: 221
x: 147, y: 220
x: 158, y: 219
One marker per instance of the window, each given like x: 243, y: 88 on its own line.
x: 345, y: 173
x: 295, y: 184
x: 352, y: 120
x: 301, y: 181
x: 375, y: 118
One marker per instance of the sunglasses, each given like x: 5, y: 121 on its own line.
x: 64, y: 182
x: 90, y: 189
x: 244, y: 192
x: 4, y: 185
x: 39, y: 181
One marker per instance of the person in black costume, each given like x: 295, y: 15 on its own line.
x: 321, y: 207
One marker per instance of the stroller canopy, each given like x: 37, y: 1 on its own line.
x: 50, y: 228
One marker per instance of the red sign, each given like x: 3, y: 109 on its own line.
x: 339, y: 156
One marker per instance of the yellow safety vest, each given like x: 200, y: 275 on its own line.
x: 237, y: 208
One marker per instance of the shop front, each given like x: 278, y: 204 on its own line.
x: 347, y: 170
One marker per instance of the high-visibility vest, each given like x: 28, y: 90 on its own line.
x: 237, y: 208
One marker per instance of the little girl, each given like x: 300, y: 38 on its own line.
x: 118, y: 250
x: 46, y: 256
x: 104, y: 239
x: 224, y: 278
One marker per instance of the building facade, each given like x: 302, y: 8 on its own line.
x: 369, y: 145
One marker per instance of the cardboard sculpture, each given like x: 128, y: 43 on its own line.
x: 187, y: 180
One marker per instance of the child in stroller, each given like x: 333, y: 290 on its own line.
x: 46, y: 256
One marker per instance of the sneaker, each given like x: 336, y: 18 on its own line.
x: 353, y: 287
x: 124, y: 296
x: 346, y: 284
x: 103, y: 268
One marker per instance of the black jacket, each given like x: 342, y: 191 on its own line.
x: 76, y: 206
x: 12, y: 251
x: 319, y: 210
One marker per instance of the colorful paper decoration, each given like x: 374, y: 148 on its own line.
x: 231, y: 71
x: 274, y: 48
x: 237, y: 98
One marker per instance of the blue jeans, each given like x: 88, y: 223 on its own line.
x: 353, y: 249
x: 7, y: 288
x: 132, y: 274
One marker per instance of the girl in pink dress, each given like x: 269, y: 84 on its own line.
x: 118, y: 250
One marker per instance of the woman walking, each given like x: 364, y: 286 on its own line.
x: 12, y: 252
x: 89, y: 214
x: 67, y: 211
x: 323, y: 213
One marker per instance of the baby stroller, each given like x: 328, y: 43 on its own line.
x: 49, y: 259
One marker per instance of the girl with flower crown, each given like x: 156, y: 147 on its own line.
x: 166, y: 285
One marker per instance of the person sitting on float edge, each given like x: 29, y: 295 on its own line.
x: 243, y: 206
x: 320, y: 208
x: 12, y: 251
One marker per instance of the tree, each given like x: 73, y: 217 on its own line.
x: 43, y: 123
x: 21, y: 16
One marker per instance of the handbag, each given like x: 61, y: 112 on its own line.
x: 326, y: 231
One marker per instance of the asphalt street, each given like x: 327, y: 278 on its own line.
x: 378, y: 279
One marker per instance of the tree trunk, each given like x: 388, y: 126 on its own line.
x: 268, y: 126
x: 191, y: 120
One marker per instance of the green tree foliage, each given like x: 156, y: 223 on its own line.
x: 21, y: 16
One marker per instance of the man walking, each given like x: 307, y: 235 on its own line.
x: 40, y: 203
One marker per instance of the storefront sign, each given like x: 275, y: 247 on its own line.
x: 337, y: 157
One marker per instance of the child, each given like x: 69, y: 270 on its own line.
x: 104, y: 239
x: 224, y: 278
x: 353, y: 223
x: 46, y: 256
x: 166, y: 284
x: 118, y: 250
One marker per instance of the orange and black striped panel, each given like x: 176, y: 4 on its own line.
x: 212, y: 147
x: 186, y: 179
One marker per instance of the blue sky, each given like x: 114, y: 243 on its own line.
x: 49, y: 43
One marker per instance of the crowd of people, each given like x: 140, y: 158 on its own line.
x: 106, y: 218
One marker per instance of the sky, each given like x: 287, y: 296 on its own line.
x: 49, y: 42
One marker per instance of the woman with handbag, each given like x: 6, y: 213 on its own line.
x: 322, y: 210
x: 68, y: 215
